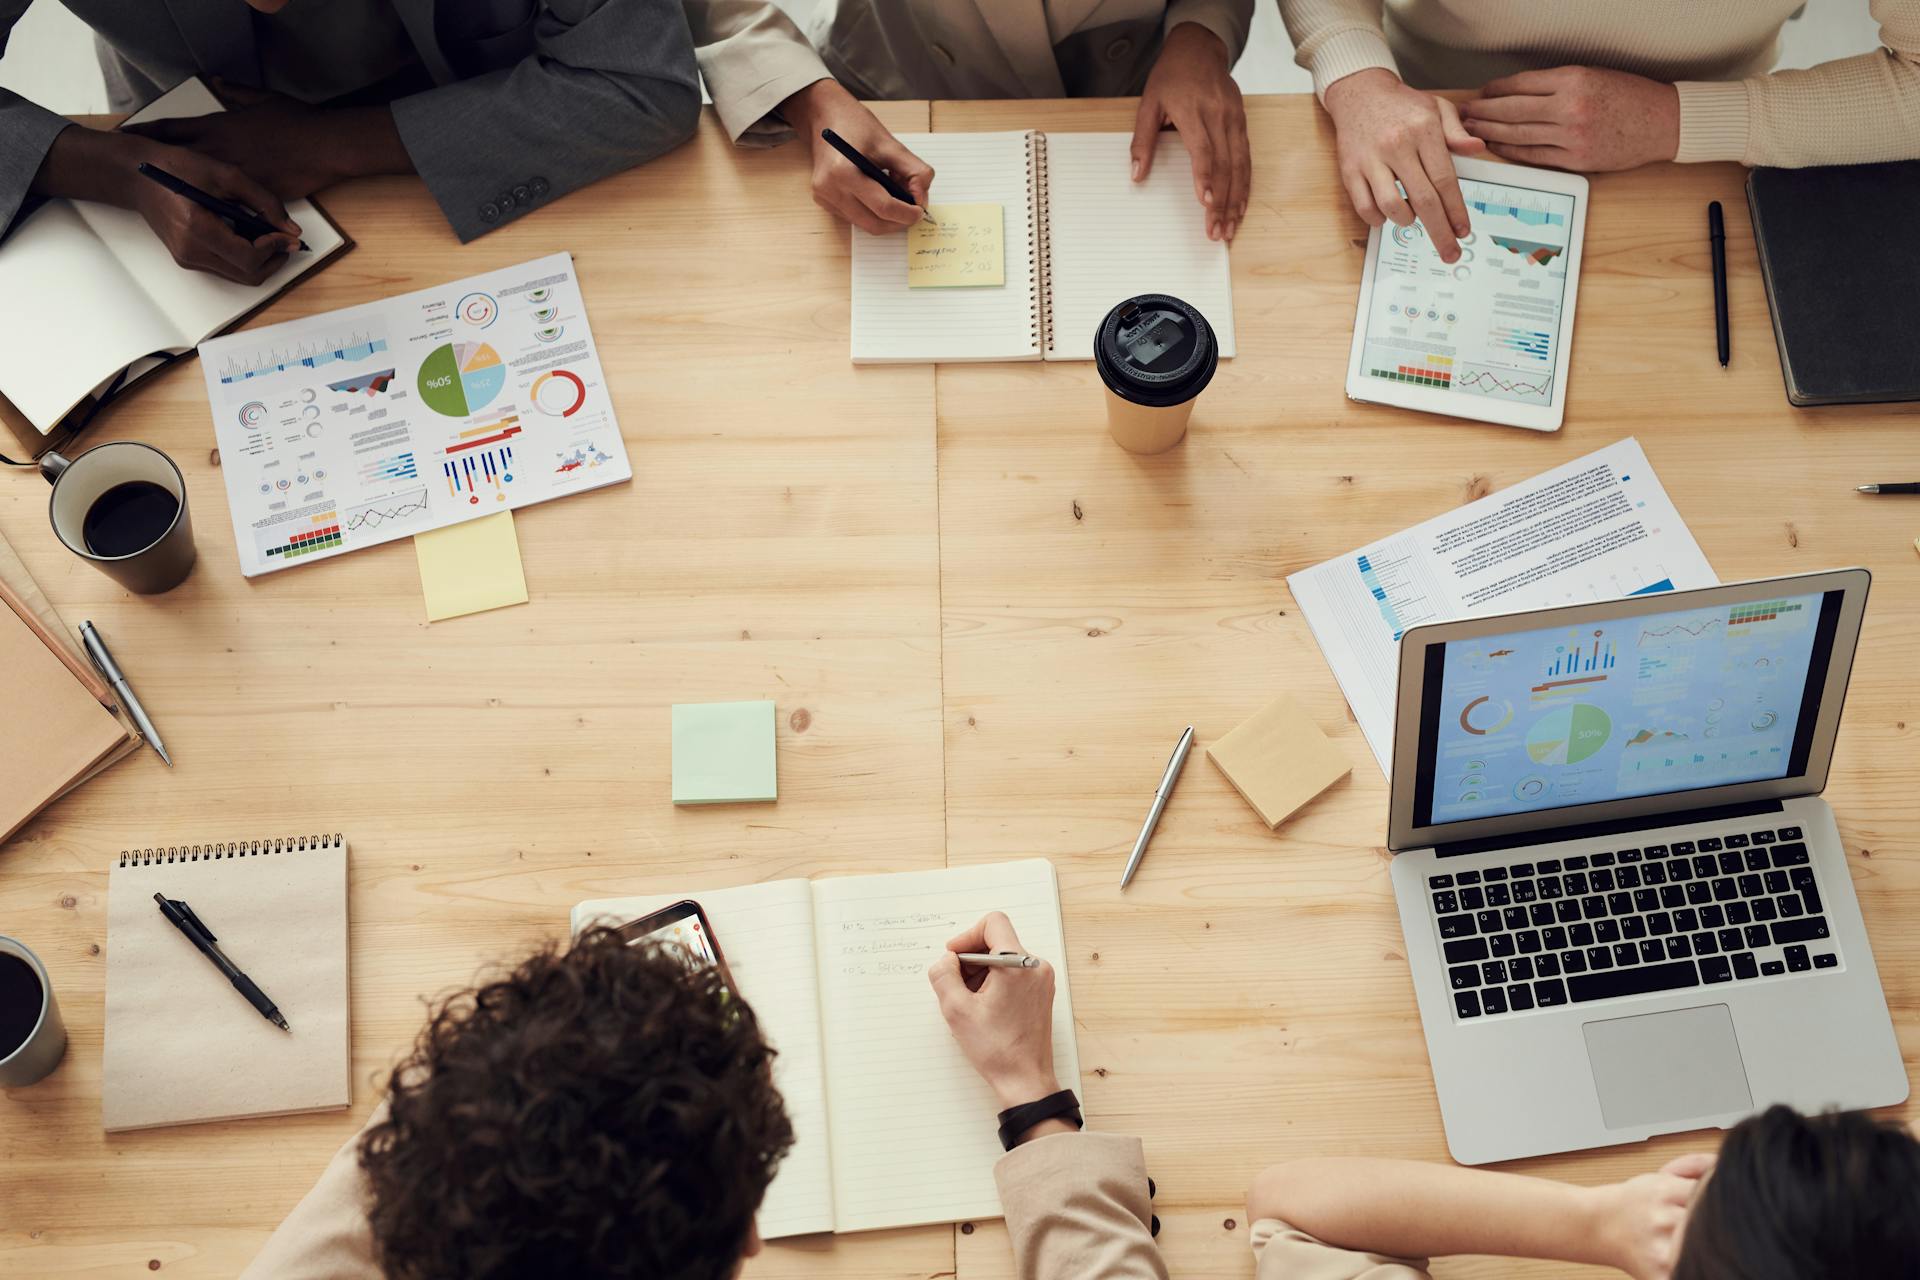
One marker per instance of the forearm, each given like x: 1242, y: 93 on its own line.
x: 87, y: 164
x: 1411, y: 1209
x: 361, y: 142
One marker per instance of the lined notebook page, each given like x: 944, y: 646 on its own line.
x: 182, y: 1044
x: 766, y: 933
x: 913, y: 1127
x: 1113, y: 237
x: 894, y: 323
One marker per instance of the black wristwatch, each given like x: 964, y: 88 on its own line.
x: 1015, y: 1121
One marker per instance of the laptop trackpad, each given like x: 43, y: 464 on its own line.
x: 1661, y: 1067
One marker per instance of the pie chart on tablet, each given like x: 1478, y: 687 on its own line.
x: 461, y: 378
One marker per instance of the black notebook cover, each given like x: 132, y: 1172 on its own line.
x: 1843, y: 278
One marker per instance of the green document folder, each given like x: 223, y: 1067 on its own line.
x: 723, y: 753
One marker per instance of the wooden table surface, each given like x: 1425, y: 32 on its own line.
x: 984, y: 626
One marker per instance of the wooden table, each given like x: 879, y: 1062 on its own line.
x: 984, y: 626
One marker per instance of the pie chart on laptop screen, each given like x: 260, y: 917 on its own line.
x: 461, y: 378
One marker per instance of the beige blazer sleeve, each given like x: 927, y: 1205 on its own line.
x: 326, y: 1237
x: 1077, y: 1207
x: 1282, y: 1253
x: 753, y: 58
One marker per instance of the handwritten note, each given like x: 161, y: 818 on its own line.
x: 959, y: 246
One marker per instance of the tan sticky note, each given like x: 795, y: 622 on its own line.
x: 470, y: 567
x: 958, y: 246
x: 1279, y: 760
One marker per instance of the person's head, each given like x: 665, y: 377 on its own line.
x: 1793, y: 1197
x: 599, y: 1112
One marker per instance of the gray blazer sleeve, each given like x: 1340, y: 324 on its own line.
x: 26, y: 130
x: 610, y: 84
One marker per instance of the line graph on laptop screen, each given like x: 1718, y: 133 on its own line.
x: 1637, y: 706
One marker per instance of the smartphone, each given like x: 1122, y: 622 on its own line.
x: 684, y: 928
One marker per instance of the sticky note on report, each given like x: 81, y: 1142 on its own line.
x: 1279, y: 760
x: 960, y: 246
x: 470, y: 567
x: 723, y: 753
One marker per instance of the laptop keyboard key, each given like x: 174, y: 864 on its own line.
x: 1599, y: 958
x: 1724, y: 890
x: 1744, y: 965
x: 1466, y: 951
x: 1809, y: 896
x: 1549, y: 866
x: 1682, y: 846
x: 1493, y: 1000
x: 1577, y: 863
x: 1716, y: 969
x: 1678, y: 948
x: 1749, y: 885
x: 1467, y: 877
x: 1659, y: 924
x: 1440, y: 881
x: 1461, y: 977
x: 1686, y: 920
x: 1550, y: 887
x: 1739, y: 913
x: 1488, y: 920
x: 1520, y: 998
x: 1521, y: 869
x: 1445, y: 902
x: 1736, y: 841
x: 1502, y: 944
x: 1788, y: 905
x: 1697, y: 893
x: 1494, y: 873
x: 1634, y: 982
x: 1523, y: 891
x: 1766, y: 909
x: 1606, y: 931
x: 1730, y: 940
x: 1528, y: 940
x: 1798, y: 961
x: 1548, y: 966
x: 1581, y: 935
x: 1650, y: 952
x: 1710, y: 844
x: 1600, y: 880
x: 1499, y: 895
x: 1625, y: 953
x: 1712, y: 917
x: 1494, y: 972
x: 1731, y: 863
x: 1603, y: 859
x: 1620, y: 902
x: 1706, y: 865
x: 1773, y: 968
x: 1789, y: 833
x: 1520, y: 969
x: 1466, y: 1004
x: 1573, y: 961
x: 1633, y: 927
x: 1681, y: 869
x: 1764, y: 837
x: 1514, y: 917
x: 1593, y: 906
x: 1755, y: 860
x: 1826, y: 960
x: 1776, y: 882
x: 1460, y: 926
x: 1550, y: 994
x: 1540, y: 914
x: 1575, y: 883
x: 1654, y: 873
x: 1672, y: 895
x: 1629, y: 855
x: 1757, y: 935
x: 1628, y: 878
x: 1705, y: 944
x: 1790, y: 855
x: 1804, y: 929
x: 1646, y: 900
x: 1554, y: 938
x: 1566, y: 911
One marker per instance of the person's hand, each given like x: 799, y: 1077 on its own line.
x: 1588, y: 119
x: 840, y: 188
x: 1392, y: 138
x: 291, y: 148
x: 1191, y: 88
x: 1641, y: 1221
x: 1002, y: 1018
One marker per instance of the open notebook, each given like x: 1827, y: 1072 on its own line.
x: 1080, y: 236
x: 892, y: 1128
x: 184, y: 1046
x: 76, y: 267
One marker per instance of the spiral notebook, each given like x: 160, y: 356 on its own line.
x: 182, y: 1045
x: 1080, y: 236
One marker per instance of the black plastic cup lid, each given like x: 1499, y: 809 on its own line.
x: 1155, y: 350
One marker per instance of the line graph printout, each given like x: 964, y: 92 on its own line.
x: 1487, y: 325
x: 357, y: 427
x: 1599, y: 528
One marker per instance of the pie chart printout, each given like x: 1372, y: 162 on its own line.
x: 461, y: 378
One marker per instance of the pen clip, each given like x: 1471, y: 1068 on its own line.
x: 193, y: 919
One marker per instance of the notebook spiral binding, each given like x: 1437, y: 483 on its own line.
x: 237, y: 849
x: 1040, y: 241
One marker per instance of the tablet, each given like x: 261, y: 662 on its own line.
x: 1487, y: 337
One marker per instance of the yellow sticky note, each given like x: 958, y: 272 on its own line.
x: 960, y: 246
x: 470, y: 567
x: 1279, y: 760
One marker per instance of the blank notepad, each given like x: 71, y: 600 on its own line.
x: 892, y: 1127
x: 182, y: 1044
x: 1081, y: 235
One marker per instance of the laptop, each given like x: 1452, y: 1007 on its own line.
x: 1626, y: 907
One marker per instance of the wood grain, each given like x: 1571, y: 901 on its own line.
x: 996, y: 624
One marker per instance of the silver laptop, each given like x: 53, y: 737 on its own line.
x: 1626, y: 906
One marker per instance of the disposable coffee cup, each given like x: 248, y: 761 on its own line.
x: 32, y: 1037
x: 1156, y: 354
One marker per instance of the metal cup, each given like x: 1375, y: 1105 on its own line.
x: 35, y: 1057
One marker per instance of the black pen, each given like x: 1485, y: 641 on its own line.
x: 1717, y: 237
x: 873, y: 171
x: 181, y: 917
x: 1887, y: 488
x: 244, y: 221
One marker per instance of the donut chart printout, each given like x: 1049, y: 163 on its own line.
x: 377, y: 422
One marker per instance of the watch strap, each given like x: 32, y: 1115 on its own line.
x: 1015, y: 1121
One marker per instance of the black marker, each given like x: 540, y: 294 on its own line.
x: 245, y: 222
x: 1717, y: 237
x: 873, y: 171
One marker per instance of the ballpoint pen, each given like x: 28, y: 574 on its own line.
x: 1717, y: 243
x: 97, y: 653
x: 1167, y: 780
x: 181, y: 917
x: 1902, y: 487
x: 874, y: 171
x: 246, y: 224
x: 998, y: 959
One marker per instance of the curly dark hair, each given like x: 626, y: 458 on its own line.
x: 1793, y: 1197
x: 603, y: 1111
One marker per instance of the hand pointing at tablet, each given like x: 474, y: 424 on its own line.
x: 1396, y: 148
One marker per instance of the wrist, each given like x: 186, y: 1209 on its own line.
x: 1191, y: 37
x: 1361, y: 83
x: 804, y: 108
x: 356, y: 142
x: 1592, y: 1221
x: 1023, y: 1087
x: 91, y: 164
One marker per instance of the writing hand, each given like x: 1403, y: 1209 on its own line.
x: 1001, y: 1018
x: 838, y: 187
x: 1588, y: 119
x: 1191, y: 88
x: 1392, y: 138
x: 1643, y: 1219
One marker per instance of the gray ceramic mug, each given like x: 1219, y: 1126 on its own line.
x: 123, y: 506
x: 32, y: 1037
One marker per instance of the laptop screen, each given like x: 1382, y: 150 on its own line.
x: 1642, y: 705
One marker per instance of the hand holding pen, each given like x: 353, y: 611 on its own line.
x: 840, y: 185
x: 1000, y: 1011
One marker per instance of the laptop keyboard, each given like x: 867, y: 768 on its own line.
x: 1694, y: 913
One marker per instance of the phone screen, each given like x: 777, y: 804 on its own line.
x: 684, y: 930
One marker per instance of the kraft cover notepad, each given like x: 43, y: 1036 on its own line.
x: 892, y: 1128
x: 182, y: 1045
x: 1079, y: 235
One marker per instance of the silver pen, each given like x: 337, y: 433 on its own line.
x: 1167, y: 780
x: 999, y: 959
x: 97, y: 652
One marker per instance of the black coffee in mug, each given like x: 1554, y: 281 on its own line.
x: 129, y: 517
x: 20, y: 1001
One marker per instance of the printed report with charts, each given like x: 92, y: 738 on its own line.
x: 892, y: 1127
x: 380, y: 421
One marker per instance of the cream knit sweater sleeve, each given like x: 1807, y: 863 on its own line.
x: 1853, y: 110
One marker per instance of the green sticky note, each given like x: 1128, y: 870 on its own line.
x: 723, y: 753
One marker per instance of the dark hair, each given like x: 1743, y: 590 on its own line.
x: 600, y: 1112
x: 1793, y: 1197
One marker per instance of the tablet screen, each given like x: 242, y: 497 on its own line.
x: 1490, y: 324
